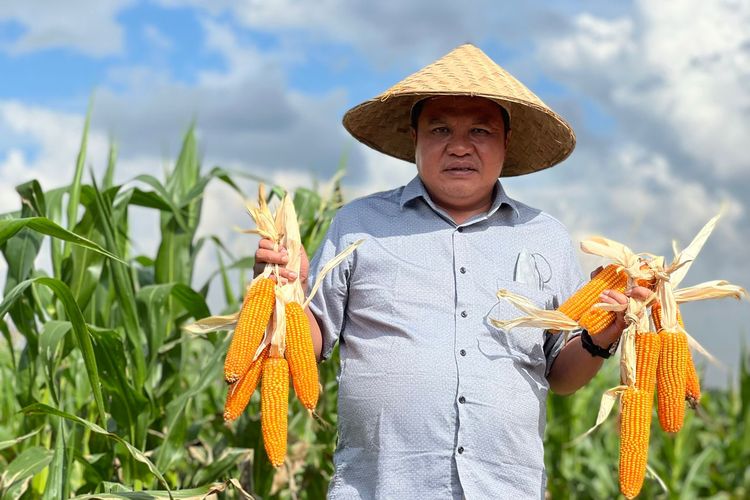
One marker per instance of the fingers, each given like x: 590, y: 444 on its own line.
x: 613, y: 297
x: 267, y: 255
x: 639, y: 293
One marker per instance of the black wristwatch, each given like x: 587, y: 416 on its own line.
x: 594, y: 349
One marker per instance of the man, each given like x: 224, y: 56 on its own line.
x: 435, y: 402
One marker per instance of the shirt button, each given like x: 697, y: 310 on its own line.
x: 464, y: 314
x: 463, y: 270
x: 460, y: 449
x: 460, y: 229
x: 462, y: 352
x: 462, y: 400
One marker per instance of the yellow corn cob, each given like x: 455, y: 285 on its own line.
x: 239, y: 393
x: 646, y: 360
x: 635, y: 423
x: 578, y: 306
x: 301, y: 355
x: 251, y: 324
x: 692, y: 381
x: 671, y: 377
x: 656, y: 317
x: 274, y: 398
x: 692, y: 384
x: 596, y: 320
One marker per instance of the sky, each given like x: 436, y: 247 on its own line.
x: 658, y: 94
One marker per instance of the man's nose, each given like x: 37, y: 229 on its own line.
x: 459, y: 144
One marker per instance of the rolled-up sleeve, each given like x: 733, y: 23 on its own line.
x: 572, y: 280
x: 329, y: 303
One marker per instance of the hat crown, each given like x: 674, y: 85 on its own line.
x: 464, y: 70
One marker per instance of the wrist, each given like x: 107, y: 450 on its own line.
x: 596, y: 349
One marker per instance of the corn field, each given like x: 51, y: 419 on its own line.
x: 103, y: 395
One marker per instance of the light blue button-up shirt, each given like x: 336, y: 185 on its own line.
x: 434, y: 401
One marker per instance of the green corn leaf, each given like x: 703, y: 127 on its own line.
x: 172, y: 443
x: 20, y: 251
x: 153, y: 301
x: 161, y: 191
x: 187, y: 169
x: 39, y: 408
x: 201, y: 492
x: 126, y: 401
x: 109, y: 174
x: 43, y: 225
x: 229, y: 296
x: 53, y: 333
x: 223, y: 465
x: 32, y: 196
x: 149, y: 199
x: 57, y: 480
x: 197, y: 191
x: 82, y: 336
x: 82, y: 269
x: 14, y: 480
x: 75, y: 187
x: 54, y: 202
x: 123, y: 285
x: 19, y: 439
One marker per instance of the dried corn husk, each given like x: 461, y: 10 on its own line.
x: 282, y: 228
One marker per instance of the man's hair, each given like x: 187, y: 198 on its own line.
x: 416, y: 110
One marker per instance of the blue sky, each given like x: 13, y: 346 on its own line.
x: 658, y: 94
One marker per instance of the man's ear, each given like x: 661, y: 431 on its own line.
x: 413, y: 135
x: 507, y: 138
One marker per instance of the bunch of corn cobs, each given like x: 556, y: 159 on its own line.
x: 271, y: 339
x: 655, y: 354
x: 243, y: 369
x: 663, y: 365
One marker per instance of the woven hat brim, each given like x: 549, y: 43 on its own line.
x: 540, y: 137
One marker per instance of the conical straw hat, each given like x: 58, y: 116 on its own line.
x: 541, y: 138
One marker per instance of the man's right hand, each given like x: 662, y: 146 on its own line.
x: 267, y: 255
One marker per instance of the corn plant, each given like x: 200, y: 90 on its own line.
x: 102, y: 392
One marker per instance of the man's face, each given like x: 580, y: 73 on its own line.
x: 460, y: 149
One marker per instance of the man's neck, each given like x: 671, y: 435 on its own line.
x: 460, y: 216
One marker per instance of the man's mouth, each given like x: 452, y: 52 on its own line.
x: 460, y: 169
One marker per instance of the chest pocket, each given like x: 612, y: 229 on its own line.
x: 522, y: 343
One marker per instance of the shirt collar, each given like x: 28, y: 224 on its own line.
x: 415, y: 189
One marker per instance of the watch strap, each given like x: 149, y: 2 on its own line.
x: 593, y: 349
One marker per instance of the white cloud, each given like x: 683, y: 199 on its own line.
x: 380, y: 31
x: 379, y: 171
x: 595, y: 40
x: 245, y: 113
x: 87, y: 27
x: 56, y: 137
x: 677, y: 73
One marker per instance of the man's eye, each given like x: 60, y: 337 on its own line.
x: 440, y: 130
x: 481, y: 131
